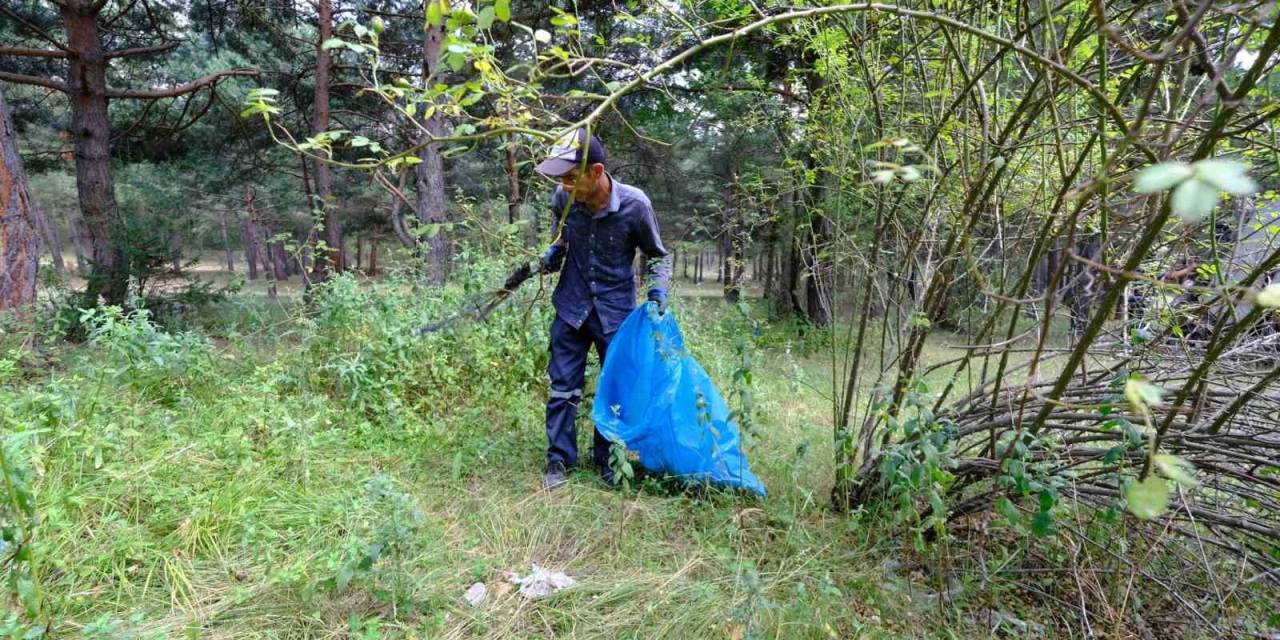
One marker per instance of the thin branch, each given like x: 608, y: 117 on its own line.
x: 181, y: 89
x: 38, y: 81
x: 28, y: 52
x: 141, y: 51
x: 35, y: 29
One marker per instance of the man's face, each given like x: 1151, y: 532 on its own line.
x: 581, y: 185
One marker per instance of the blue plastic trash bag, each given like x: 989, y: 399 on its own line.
x: 656, y: 399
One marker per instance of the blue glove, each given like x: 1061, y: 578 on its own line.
x: 550, y: 262
x: 658, y: 296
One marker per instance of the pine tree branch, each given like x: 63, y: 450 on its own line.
x: 181, y: 89
x: 27, y: 52
x: 34, y: 29
x: 141, y: 51
x: 38, y: 81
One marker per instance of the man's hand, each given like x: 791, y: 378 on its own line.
x: 549, y: 263
x: 658, y: 296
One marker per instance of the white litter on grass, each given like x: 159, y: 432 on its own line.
x: 540, y: 582
x: 475, y: 594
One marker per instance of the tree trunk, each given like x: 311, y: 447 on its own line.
x: 19, y: 240
x: 175, y: 250
x: 306, y: 256
x: 91, y: 128
x: 399, y: 225
x: 279, y: 259
x: 360, y: 253
x: 343, y: 265
x: 731, y: 245
x: 793, y: 276
x: 772, y: 239
x: 429, y: 173
x: 331, y: 258
x: 226, y: 243
x: 249, y: 233
x: 513, y: 182
x: 818, y: 286
x: 51, y: 236
x: 373, y: 256
x: 264, y: 249
x: 79, y: 243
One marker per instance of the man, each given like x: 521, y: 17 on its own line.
x: 598, y: 223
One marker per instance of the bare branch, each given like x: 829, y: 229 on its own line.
x: 141, y: 51
x: 38, y: 81
x: 181, y: 89
x: 27, y: 52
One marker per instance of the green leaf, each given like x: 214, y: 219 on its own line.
x: 1149, y: 498
x: 1042, y: 524
x: 378, y: 24
x: 1161, y: 176
x: 1176, y: 469
x: 485, y: 19
x: 909, y: 174
x: 502, y: 9
x: 1010, y: 512
x: 1227, y: 175
x: 1142, y: 394
x: 1193, y: 199
x: 564, y: 20
x: 332, y: 43
x: 345, y: 574
x: 29, y: 597
x: 435, y: 17
x: 1046, y: 500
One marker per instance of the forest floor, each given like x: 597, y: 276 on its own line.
x: 243, y: 480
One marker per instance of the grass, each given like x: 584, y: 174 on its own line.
x: 233, y: 490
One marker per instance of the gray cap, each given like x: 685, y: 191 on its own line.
x: 566, y: 153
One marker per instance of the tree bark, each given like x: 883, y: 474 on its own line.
x: 91, y: 130
x: 399, y: 225
x: 279, y: 259
x: 51, y: 236
x: 79, y: 243
x: 818, y: 286
x: 429, y: 173
x: 226, y: 243
x: 249, y: 233
x: 373, y: 256
x: 264, y: 249
x: 330, y: 259
x: 770, y: 251
x: 19, y: 240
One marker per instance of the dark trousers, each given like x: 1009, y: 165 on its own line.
x: 567, y: 370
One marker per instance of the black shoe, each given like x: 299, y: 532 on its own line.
x: 554, y: 478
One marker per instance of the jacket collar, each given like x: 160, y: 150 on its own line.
x: 615, y: 200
